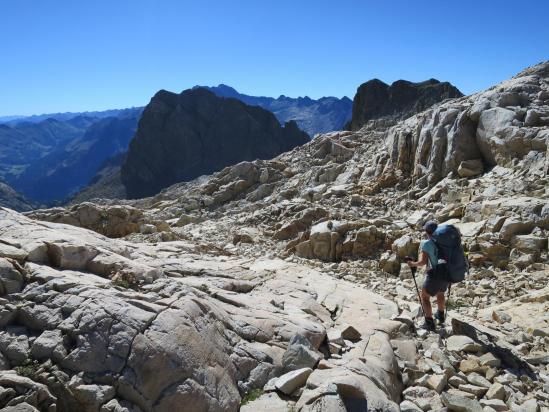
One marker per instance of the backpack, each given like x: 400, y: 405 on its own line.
x: 448, y: 241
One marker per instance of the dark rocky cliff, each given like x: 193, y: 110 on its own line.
x: 375, y: 99
x: 183, y: 136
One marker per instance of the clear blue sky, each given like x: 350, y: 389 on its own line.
x: 60, y: 55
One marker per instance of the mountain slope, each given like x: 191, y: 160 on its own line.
x: 375, y: 99
x: 13, y: 200
x: 184, y: 136
x: 312, y: 116
x: 26, y: 143
x: 49, y: 160
x: 69, y: 169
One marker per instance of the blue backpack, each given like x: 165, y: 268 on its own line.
x: 448, y: 241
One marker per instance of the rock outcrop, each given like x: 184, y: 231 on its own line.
x: 500, y: 126
x: 376, y: 99
x: 181, y: 137
x: 164, y: 334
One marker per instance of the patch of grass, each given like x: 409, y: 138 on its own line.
x: 29, y: 369
x: 251, y: 396
x: 204, y: 288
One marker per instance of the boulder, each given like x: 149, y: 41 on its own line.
x: 12, y: 252
x: 266, y: 402
x: 11, y: 279
x: 493, y: 125
x: 405, y: 246
x: 300, y: 354
x: 389, y: 262
x: 470, y: 168
x: 293, y: 380
x: 44, y: 346
x: 514, y: 226
x: 112, y: 221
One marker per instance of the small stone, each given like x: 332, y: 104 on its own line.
x: 422, y: 333
x: 408, y: 406
x: 456, y: 380
x: 500, y: 316
x: 496, y: 404
x: 335, y: 349
x: 476, y: 379
x: 300, y: 354
x: 476, y: 390
x: 488, y: 359
x: 470, y: 168
x: 469, y: 365
x: 496, y: 391
x: 458, y: 343
x: 437, y: 382
x: 460, y: 404
x: 335, y: 336
x: 491, y: 374
x: 465, y: 394
x: 350, y: 333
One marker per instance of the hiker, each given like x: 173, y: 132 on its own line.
x: 433, y: 285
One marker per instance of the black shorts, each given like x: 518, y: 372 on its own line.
x: 434, y: 285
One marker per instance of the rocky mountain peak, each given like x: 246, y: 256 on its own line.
x: 181, y: 137
x: 376, y: 99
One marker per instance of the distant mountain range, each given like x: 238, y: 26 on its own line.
x: 37, y: 118
x: 50, y: 158
x: 312, y: 116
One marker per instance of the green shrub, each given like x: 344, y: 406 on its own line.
x: 251, y: 396
x: 29, y: 369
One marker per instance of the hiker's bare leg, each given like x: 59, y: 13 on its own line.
x: 426, y: 300
x: 441, y: 301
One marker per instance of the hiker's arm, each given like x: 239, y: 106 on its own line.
x: 421, y: 262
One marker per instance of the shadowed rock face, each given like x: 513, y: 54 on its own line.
x: 375, y: 99
x: 183, y: 136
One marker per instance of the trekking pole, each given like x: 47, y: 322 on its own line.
x: 414, y: 269
x: 447, y: 301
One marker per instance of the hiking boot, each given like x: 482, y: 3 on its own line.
x: 429, y: 324
x: 440, y: 316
